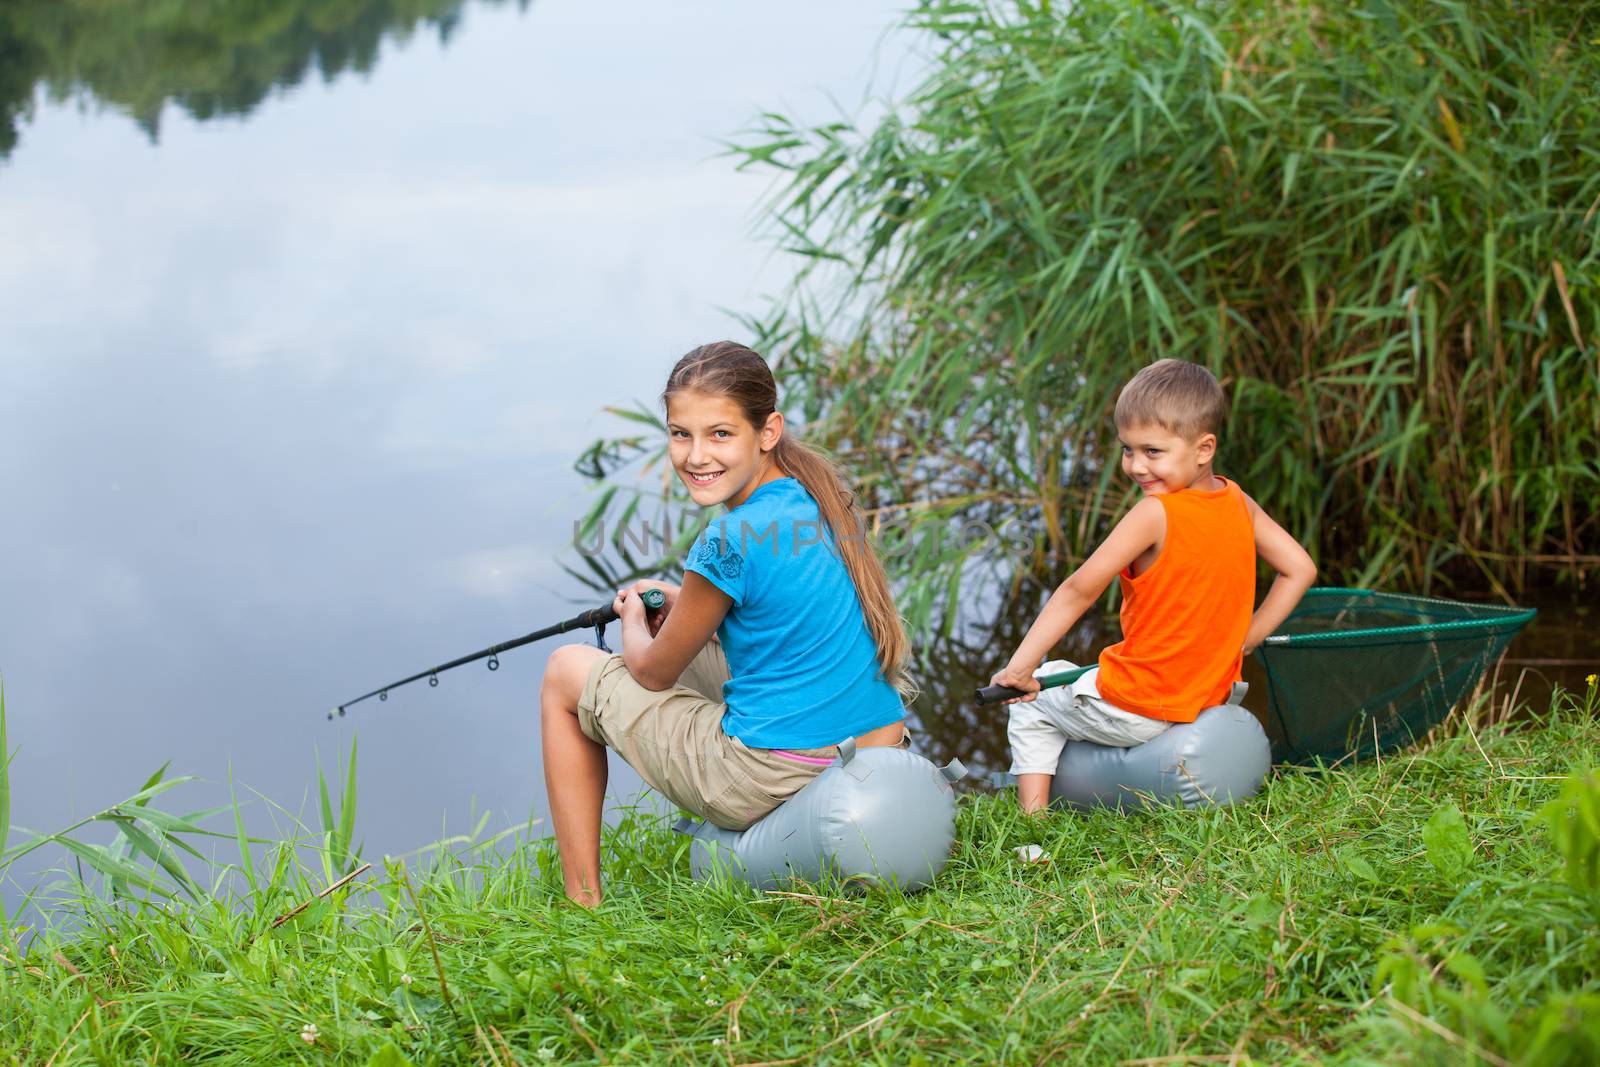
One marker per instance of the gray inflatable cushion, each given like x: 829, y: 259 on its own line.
x: 878, y: 814
x: 1221, y: 757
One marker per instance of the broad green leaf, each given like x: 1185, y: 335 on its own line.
x: 382, y: 973
x: 1356, y: 865
x: 1466, y: 967
x: 389, y: 1056
x: 1449, y: 844
x: 1573, y: 820
x: 1262, y: 910
x: 501, y: 977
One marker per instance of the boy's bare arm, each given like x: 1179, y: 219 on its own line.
x: 1295, y: 570
x: 1140, y: 528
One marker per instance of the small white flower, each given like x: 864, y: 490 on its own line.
x: 406, y: 979
x: 547, y: 1053
x: 702, y: 979
x: 583, y: 1020
x: 711, y: 1002
x: 619, y: 979
x: 308, y: 1033
x: 716, y: 1041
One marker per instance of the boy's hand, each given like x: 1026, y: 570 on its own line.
x: 1017, y: 678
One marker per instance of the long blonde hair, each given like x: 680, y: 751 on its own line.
x: 729, y: 369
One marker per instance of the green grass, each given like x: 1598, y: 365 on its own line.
x: 1415, y: 909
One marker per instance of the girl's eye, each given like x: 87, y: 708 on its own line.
x: 722, y: 433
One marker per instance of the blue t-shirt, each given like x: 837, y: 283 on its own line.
x: 803, y: 663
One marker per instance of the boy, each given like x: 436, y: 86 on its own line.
x: 1185, y: 556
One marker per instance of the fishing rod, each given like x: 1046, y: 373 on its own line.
x: 597, y: 618
x: 989, y: 694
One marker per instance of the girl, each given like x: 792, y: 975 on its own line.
x: 782, y: 642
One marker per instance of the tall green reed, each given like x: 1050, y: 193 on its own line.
x: 338, y: 829
x: 1375, y: 220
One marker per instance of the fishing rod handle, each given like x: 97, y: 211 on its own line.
x: 654, y: 600
x: 991, y: 694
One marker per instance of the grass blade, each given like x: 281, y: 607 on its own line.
x: 347, y: 815
x: 247, y: 861
x: 109, y: 864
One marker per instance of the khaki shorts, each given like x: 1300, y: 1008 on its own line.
x: 674, y: 739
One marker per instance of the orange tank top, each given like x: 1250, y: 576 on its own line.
x: 1185, y: 618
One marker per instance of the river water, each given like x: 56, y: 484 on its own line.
x: 291, y: 396
x: 292, y: 392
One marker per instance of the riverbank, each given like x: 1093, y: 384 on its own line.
x: 1408, y: 910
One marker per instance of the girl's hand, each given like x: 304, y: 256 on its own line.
x: 655, y: 619
x: 1017, y: 678
x: 630, y: 608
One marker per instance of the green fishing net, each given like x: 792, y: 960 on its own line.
x: 1353, y: 672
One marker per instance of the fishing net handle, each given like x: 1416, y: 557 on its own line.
x: 993, y: 694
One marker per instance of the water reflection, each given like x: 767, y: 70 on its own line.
x: 210, y: 60
x: 950, y: 724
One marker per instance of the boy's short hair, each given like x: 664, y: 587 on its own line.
x: 1180, y: 397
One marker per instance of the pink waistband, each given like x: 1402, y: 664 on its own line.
x: 816, y: 761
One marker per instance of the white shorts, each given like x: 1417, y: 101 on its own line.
x: 1041, y: 728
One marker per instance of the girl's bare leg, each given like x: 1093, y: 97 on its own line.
x: 574, y: 771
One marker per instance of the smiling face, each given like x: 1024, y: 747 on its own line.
x: 719, y: 455
x: 1160, y: 461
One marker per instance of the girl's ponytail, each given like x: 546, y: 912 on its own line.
x: 844, y: 520
x: 729, y: 369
